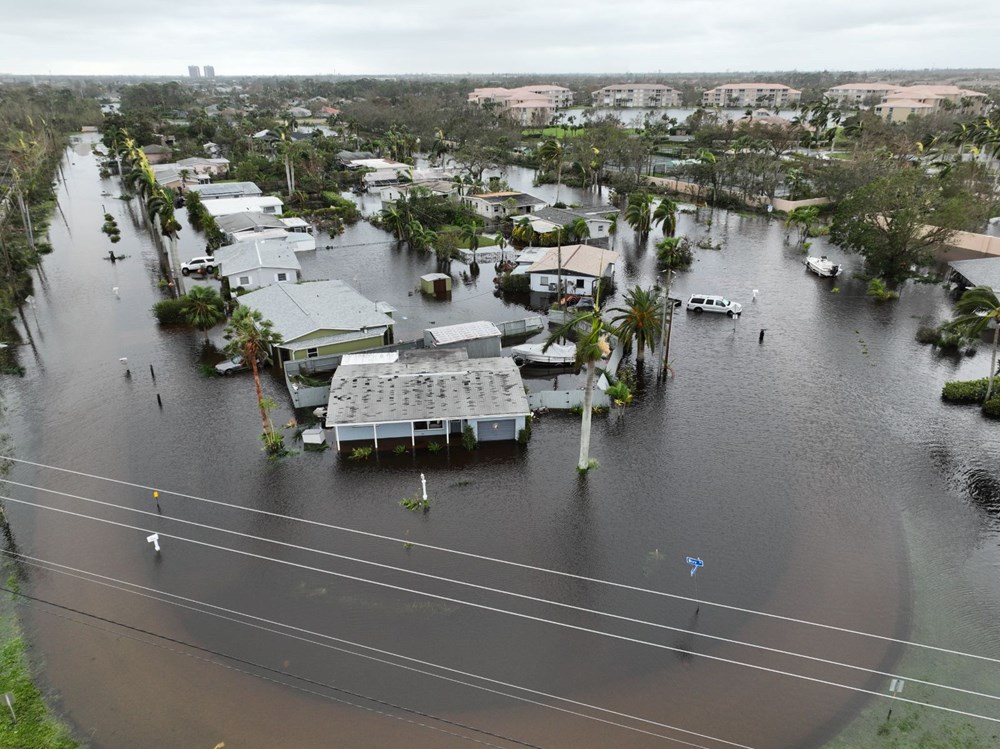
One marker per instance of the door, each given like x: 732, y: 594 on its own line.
x: 497, y: 430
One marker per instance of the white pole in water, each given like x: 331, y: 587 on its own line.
x: 155, y: 540
x: 423, y: 485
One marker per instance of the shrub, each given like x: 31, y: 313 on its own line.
x: 674, y: 252
x: 360, y: 453
x: 519, y: 283
x: 523, y: 436
x: 434, y: 447
x: 927, y: 335
x: 991, y: 408
x: 469, y: 440
x: 878, y: 291
x: 399, y: 450
x: 170, y: 311
x: 966, y: 391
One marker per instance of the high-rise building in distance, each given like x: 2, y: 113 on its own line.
x: 194, y: 71
x: 209, y: 71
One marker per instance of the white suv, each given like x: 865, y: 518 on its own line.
x: 706, y: 302
x: 198, y: 265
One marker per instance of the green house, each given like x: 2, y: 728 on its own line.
x: 321, y: 318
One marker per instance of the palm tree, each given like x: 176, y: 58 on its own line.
x: 637, y: 213
x: 591, y: 347
x: 666, y: 215
x: 251, y: 336
x: 552, y: 152
x: 469, y: 234
x: 160, y: 205
x: 577, y: 230
x: 395, y: 221
x: 639, y: 320
x: 203, y: 308
x: 976, y: 309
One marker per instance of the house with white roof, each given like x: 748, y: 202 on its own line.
x: 257, y: 204
x: 321, y: 318
x: 549, y: 219
x: 769, y: 95
x: 636, y: 95
x: 257, y: 263
x: 581, y: 267
x: 253, y: 224
x: 425, y: 396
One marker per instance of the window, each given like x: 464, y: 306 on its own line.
x: 579, y: 283
x: 244, y: 280
x: 268, y: 209
x: 312, y: 353
x: 421, y: 426
x: 544, y: 280
x: 282, y: 277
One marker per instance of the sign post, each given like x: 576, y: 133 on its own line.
x: 8, y: 698
x: 696, y: 564
x: 895, y: 687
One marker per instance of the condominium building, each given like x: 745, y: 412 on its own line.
x: 931, y: 99
x: 768, y: 95
x: 528, y: 105
x: 194, y: 71
x: 853, y: 95
x: 636, y: 95
x: 209, y: 71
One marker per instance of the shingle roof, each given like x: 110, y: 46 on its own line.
x: 426, y: 385
x: 255, y: 254
x: 227, y: 189
x: 299, y: 309
x: 521, y: 198
x: 250, y: 221
x: 980, y: 271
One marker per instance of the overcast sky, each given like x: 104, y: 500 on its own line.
x: 298, y: 37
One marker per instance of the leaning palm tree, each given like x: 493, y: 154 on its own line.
x: 639, y: 320
x: 552, y: 152
x: 469, y: 233
x: 577, y: 230
x: 666, y: 215
x: 252, y: 337
x: 203, y: 308
x: 160, y: 205
x: 591, y: 346
x: 976, y: 309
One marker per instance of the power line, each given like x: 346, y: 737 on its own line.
x: 35, y: 599
x: 99, y: 579
x: 519, y: 565
x: 523, y: 596
x: 519, y: 615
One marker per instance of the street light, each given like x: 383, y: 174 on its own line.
x: 666, y: 325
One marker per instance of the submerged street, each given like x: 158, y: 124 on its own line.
x: 816, y: 473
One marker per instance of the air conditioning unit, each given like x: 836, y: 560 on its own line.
x: 552, y: 287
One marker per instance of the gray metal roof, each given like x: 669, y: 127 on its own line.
x: 297, y: 310
x: 255, y: 254
x: 499, y: 198
x: 466, y: 331
x: 426, y: 385
x: 563, y: 216
x: 983, y: 271
x: 249, y: 221
x: 227, y: 190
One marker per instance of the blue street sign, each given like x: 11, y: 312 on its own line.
x: 695, y: 561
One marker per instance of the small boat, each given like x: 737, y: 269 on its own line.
x: 556, y: 355
x: 823, y: 266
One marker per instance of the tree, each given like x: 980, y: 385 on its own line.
x: 203, y: 308
x: 552, y: 152
x: 674, y: 253
x: 639, y: 319
x: 577, y: 230
x: 666, y: 215
x: 591, y: 346
x: 976, y: 309
x: 637, y: 213
x: 469, y: 234
x: 252, y: 337
x: 896, y: 220
x: 804, y: 218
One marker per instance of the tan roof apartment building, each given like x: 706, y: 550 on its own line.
x: 636, y: 95
x: 751, y: 95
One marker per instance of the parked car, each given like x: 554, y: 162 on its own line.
x: 198, y: 265
x: 231, y: 366
x: 699, y: 303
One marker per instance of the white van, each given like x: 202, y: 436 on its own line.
x: 699, y: 303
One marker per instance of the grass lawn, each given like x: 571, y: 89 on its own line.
x: 36, y: 727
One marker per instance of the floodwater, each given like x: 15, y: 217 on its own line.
x: 817, y: 474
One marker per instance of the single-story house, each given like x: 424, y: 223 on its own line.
x: 215, y: 166
x: 478, y: 339
x: 257, y: 263
x: 426, y: 396
x: 580, y: 265
x: 318, y: 318
x: 299, y: 112
x: 254, y: 225
x: 228, y: 190
x: 258, y: 204
x: 392, y: 193
x: 494, y: 205
x: 976, y: 272
x: 176, y: 177
x: 549, y: 219
x: 157, y: 154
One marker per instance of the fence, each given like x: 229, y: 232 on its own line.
x: 526, y: 326
x: 564, y: 400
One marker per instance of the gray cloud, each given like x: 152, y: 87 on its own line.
x: 455, y: 36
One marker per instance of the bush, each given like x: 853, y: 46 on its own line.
x: 927, y: 335
x: 434, y: 447
x: 878, y: 291
x: 360, y: 453
x: 170, y: 311
x: 518, y: 283
x: 469, y: 440
x: 967, y: 391
x: 991, y: 408
x: 674, y: 252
